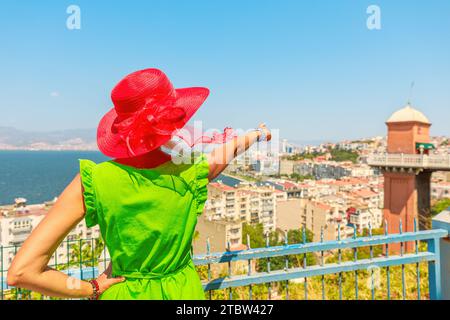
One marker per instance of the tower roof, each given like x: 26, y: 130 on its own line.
x: 408, y: 114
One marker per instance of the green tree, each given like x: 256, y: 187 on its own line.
x: 440, y: 206
x: 298, y: 178
x: 255, y: 233
x: 85, y: 252
x: 277, y: 238
x: 304, y: 156
x: 340, y: 155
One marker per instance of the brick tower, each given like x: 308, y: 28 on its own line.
x: 406, y: 180
x: 407, y: 167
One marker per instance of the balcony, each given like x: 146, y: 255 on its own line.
x: 422, y: 274
x: 410, y: 161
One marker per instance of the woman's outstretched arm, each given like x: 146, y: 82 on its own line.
x: 221, y: 156
x: 29, y: 268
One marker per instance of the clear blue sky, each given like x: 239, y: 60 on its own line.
x: 310, y: 68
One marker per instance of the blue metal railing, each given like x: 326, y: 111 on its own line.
x: 354, y: 266
x: 431, y: 256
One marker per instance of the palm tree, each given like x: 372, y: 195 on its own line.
x: 196, y: 235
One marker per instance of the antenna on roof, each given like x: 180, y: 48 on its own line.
x: 411, y: 92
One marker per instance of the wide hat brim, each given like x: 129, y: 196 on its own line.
x: 113, y: 145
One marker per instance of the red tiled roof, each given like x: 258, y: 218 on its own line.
x: 221, y: 186
x: 323, y: 206
x: 29, y: 212
x: 364, y: 193
x: 289, y: 185
x: 358, y: 181
x: 339, y: 183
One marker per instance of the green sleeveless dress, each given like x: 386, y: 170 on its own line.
x: 147, y: 219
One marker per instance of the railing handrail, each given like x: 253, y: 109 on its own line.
x: 410, y: 160
x: 65, y: 241
x: 301, y: 248
x: 316, y: 270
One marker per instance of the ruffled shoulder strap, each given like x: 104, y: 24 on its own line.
x: 201, y: 172
x: 86, y: 173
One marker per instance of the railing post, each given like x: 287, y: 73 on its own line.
x: 439, y: 272
x: 1, y: 271
x: 434, y: 271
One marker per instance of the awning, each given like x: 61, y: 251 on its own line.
x: 425, y: 146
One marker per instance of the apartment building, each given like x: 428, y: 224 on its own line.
x: 246, y: 203
x: 222, y: 235
x: 266, y: 166
x: 292, y: 189
x: 440, y: 190
x: 289, y: 214
x: 18, y: 221
x: 327, y: 215
x: 317, y: 216
x: 286, y: 167
x: 356, y: 145
x: 323, y: 169
x: 362, y: 217
x: 371, y: 198
x: 221, y: 202
x: 361, y: 170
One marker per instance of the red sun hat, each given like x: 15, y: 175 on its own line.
x: 147, y: 112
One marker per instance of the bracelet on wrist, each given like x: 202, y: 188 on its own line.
x: 96, y: 290
x: 262, y: 135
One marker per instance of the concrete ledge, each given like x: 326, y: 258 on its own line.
x: 442, y: 221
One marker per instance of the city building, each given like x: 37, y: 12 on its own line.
x: 17, y: 221
x: 317, y: 217
x: 267, y: 166
x: 440, y: 190
x: 221, y: 235
x: 287, y: 148
x: 323, y: 169
x: 286, y: 167
x: 364, y: 217
x: 248, y: 203
x: 289, y: 214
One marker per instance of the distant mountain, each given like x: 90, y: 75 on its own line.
x: 78, y: 139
